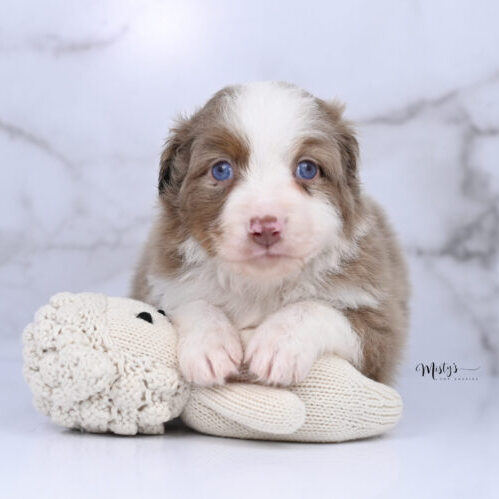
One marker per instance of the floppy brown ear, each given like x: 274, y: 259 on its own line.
x: 175, y: 157
x: 349, y: 150
x: 345, y: 137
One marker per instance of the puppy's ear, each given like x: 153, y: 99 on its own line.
x: 349, y: 150
x: 175, y: 157
x: 345, y: 139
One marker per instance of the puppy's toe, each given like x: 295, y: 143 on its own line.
x: 289, y: 368
x: 260, y: 363
x: 280, y: 364
x: 210, y: 366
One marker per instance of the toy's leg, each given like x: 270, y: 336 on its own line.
x: 243, y: 410
x: 340, y: 404
x: 343, y: 404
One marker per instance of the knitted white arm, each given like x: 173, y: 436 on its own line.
x: 243, y: 405
x: 341, y: 404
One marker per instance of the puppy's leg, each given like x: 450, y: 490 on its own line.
x: 382, y: 332
x: 209, y: 348
x: 284, y: 347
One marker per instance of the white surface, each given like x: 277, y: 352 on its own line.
x: 88, y: 90
x: 447, y: 445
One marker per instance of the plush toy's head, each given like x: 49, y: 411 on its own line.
x: 104, y: 364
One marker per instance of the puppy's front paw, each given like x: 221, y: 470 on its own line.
x: 211, y: 357
x: 276, y: 355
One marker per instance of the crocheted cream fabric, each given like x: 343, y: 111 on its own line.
x: 109, y: 364
x: 92, y: 364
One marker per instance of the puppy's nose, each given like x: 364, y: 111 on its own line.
x: 265, y: 231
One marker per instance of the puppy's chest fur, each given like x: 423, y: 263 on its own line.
x: 246, y: 304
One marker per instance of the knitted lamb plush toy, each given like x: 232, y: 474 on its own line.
x: 105, y: 364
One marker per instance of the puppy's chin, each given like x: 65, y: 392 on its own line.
x: 266, y: 269
x: 281, y: 262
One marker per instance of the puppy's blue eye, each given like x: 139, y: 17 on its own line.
x: 221, y: 171
x: 306, y: 169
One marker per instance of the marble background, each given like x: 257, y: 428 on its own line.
x: 88, y: 90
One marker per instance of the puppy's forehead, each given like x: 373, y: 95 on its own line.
x: 272, y: 116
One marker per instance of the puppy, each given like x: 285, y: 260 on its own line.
x: 263, y: 224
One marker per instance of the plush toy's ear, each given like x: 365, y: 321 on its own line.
x: 260, y: 408
x: 175, y: 157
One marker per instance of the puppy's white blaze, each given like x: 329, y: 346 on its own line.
x: 272, y: 115
x: 273, y: 118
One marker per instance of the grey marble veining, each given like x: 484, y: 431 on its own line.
x: 88, y: 93
x: 463, y: 255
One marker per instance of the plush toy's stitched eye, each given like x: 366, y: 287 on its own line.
x: 162, y: 312
x: 146, y: 316
x: 221, y: 171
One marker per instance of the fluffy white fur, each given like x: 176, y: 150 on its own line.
x: 284, y: 347
x: 209, y: 347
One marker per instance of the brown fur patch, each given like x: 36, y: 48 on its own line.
x: 379, y: 270
x: 190, y: 198
x: 202, y: 197
x: 335, y: 150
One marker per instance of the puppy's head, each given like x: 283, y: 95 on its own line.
x: 263, y: 178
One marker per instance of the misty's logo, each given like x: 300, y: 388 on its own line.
x: 447, y: 371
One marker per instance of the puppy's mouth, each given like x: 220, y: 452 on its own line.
x: 276, y: 260
x: 264, y: 257
x: 268, y: 266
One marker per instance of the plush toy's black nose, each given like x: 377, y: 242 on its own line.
x: 146, y: 316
